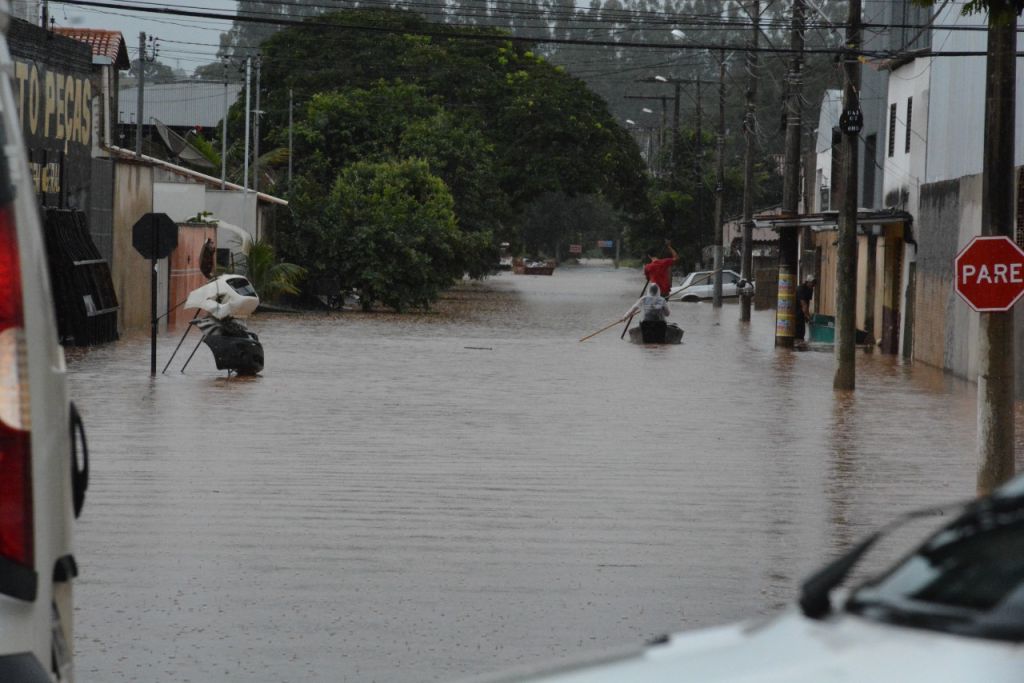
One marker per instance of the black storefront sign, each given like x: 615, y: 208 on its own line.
x: 54, y: 93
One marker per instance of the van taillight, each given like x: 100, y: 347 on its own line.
x: 16, y: 532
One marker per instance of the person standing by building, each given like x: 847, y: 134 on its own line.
x: 804, y: 295
x: 659, y: 270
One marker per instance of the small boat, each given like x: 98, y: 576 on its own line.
x: 227, y: 299
x: 656, y: 332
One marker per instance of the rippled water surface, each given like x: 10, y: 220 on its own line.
x: 430, y: 496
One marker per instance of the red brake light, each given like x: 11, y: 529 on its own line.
x: 16, y: 525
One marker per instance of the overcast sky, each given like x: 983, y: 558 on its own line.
x: 178, y: 35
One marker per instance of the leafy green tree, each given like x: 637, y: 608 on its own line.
x: 387, y: 229
x: 464, y: 159
x: 360, y: 124
x: 498, y: 124
x: 269, y: 276
x: 546, y: 130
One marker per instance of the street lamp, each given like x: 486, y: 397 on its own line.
x: 676, y: 33
x: 631, y: 122
x: 646, y: 110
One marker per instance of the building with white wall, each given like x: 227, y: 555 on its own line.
x: 826, y: 161
x: 933, y: 165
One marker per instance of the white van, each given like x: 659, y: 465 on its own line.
x: 43, y: 464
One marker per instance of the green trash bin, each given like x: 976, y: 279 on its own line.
x: 823, y: 328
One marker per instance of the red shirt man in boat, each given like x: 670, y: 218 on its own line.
x: 659, y: 271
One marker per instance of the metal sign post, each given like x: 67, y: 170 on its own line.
x: 154, y: 236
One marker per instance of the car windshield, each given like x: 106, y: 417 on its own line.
x: 966, y: 579
x: 242, y: 286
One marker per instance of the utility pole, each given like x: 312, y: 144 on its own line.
x: 256, y: 132
x: 678, y: 82
x: 224, y: 134
x: 664, y: 118
x: 245, y: 162
x: 996, y: 348
x: 785, y: 311
x: 716, y: 288
x: 675, y: 127
x: 698, y: 170
x: 749, y: 131
x: 846, y: 251
x: 289, y: 142
x: 141, y: 101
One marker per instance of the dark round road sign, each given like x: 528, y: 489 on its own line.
x: 155, y: 235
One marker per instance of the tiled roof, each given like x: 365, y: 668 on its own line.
x: 103, y: 43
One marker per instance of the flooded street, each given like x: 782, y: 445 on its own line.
x: 429, y: 496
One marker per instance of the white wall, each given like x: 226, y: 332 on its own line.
x: 957, y: 110
x: 828, y: 118
x: 904, y: 170
x: 178, y: 200
x: 229, y: 205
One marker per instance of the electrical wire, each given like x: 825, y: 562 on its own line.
x: 463, y: 34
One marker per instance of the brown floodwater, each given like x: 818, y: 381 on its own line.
x: 423, y: 497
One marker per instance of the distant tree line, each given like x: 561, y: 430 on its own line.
x: 525, y: 138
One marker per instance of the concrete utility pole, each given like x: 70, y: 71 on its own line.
x: 141, y: 101
x: 996, y: 348
x: 677, y: 82
x: 245, y: 162
x: 664, y: 119
x: 224, y: 134
x: 675, y: 126
x: 749, y: 130
x: 289, y: 141
x: 256, y: 134
x: 698, y: 169
x: 788, y: 239
x: 716, y: 249
x: 846, y: 252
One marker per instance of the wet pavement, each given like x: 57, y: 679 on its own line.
x: 429, y: 496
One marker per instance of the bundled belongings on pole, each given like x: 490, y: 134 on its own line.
x: 226, y: 300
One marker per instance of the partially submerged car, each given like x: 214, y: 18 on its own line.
x: 950, y: 611
x: 700, y: 285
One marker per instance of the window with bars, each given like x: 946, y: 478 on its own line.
x: 892, y: 129
x: 910, y: 111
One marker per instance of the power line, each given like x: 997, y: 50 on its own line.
x: 488, y: 34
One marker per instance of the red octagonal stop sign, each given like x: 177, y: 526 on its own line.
x: 990, y: 273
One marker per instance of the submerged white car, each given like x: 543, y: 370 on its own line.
x: 700, y: 285
x: 951, y: 611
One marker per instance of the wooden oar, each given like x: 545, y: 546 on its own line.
x: 626, y: 328
x: 606, y: 327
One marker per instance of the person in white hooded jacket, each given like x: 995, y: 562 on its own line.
x: 652, y: 306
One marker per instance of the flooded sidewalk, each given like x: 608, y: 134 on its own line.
x: 428, y: 496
